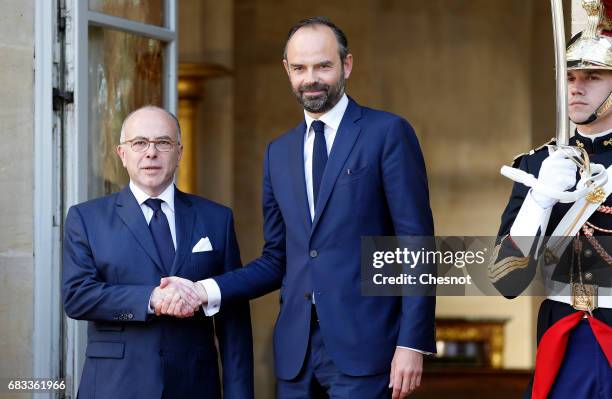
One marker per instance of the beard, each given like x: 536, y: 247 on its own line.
x: 323, y: 102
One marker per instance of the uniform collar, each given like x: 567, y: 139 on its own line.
x: 593, y: 144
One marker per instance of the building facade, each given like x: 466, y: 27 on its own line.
x: 474, y: 77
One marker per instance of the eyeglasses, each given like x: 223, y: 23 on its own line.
x: 142, y: 145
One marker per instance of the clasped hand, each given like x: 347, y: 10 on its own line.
x: 178, y: 297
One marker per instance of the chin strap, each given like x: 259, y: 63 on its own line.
x: 601, y: 110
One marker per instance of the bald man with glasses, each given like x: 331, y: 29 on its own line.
x: 130, y: 260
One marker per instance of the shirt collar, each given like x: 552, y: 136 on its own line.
x: 167, y: 195
x: 331, y: 118
x: 593, y: 136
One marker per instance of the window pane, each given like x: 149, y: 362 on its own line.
x: 125, y: 72
x: 145, y: 11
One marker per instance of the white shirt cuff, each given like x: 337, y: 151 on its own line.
x: 531, y: 218
x: 214, y: 296
x: 150, y: 309
x: 416, y: 350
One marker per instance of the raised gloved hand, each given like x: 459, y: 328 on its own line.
x: 557, y: 173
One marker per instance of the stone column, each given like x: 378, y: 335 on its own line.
x: 192, y: 77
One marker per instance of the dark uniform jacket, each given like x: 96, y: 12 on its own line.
x: 518, y: 271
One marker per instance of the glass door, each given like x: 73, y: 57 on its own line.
x: 122, y: 55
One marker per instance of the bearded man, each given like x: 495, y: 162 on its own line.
x: 344, y: 172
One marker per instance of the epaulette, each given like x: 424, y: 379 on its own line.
x: 517, y: 159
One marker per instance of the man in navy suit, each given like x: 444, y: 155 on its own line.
x: 344, y: 172
x: 118, y: 248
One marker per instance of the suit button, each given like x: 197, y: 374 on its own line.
x: 588, y: 276
x: 313, y: 253
x: 308, y: 296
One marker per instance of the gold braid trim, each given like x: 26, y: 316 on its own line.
x: 499, y: 269
x: 507, y: 265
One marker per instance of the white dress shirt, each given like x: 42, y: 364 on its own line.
x: 332, y: 120
x: 167, y: 208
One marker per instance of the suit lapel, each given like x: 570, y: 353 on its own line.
x: 296, y: 161
x: 347, y: 134
x: 184, y: 222
x: 129, y: 211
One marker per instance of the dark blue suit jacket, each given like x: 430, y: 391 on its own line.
x: 385, y: 193
x: 111, y: 267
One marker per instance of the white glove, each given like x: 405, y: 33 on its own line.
x: 558, y: 173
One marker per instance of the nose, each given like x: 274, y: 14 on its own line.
x: 576, y: 87
x: 151, y: 151
x: 310, y: 77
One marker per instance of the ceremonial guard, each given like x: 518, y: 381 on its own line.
x: 558, y: 223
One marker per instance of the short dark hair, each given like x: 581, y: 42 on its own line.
x: 340, y: 36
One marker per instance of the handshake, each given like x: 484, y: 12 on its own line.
x: 178, y: 297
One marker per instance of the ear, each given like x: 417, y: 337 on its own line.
x: 121, y: 154
x: 286, y: 65
x: 348, y: 65
x: 180, y: 153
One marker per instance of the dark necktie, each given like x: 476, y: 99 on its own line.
x: 319, y: 158
x: 160, y: 230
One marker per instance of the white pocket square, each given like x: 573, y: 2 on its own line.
x: 203, y: 245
